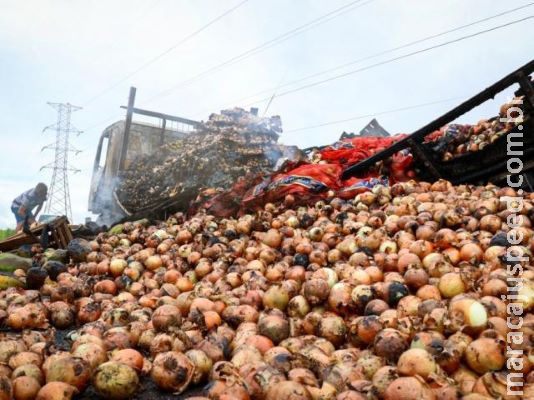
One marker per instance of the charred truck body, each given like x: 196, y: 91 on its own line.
x: 120, y: 144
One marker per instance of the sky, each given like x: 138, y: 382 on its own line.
x: 75, y: 50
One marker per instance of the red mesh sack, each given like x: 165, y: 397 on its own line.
x: 306, y: 182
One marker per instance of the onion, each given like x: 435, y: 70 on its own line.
x: 382, y: 379
x: 298, y: 307
x: 340, y: 299
x: 72, y: 370
x: 262, y: 343
x: 471, y: 252
x: 172, y: 371
x: 6, y: 388
x: 451, y: 284
x: 472, y: 313
x: 153, y: 263
x: 390, y: 343
x: 526, y: 295
x: 30, y: 370
x: 202, y: 363
x: 303, y: 376
x: 166, y: 317
x: 415, y: 278
x: 25, y: 358
x: 363, y: 330
x: 25, y: 388
x: 276, y: 297
x: 274, y: 327
x: 485, y: 354
x: 92, y: 353
x: 333, y: 329
x: 56, y: 391
x: 61, y: 314
x: 316, y: 291
x: 288, y: 390
x: 129, y: 357
x: 407, y: 261
x: 115, y: 380
x: 117, y: 266
x: 490, y: 223
x: 416, y: 361
x: 408, y: 388
x: 376, y: 307
x: 272, y: 238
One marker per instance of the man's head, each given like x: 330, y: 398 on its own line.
x: 41, y: 190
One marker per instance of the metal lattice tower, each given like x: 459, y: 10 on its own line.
x: 58, y: 193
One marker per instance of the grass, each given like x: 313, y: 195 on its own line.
x: 5, y: 233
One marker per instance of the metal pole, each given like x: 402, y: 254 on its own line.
x: 127, y: 125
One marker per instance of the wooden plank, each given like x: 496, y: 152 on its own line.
x: 61, y: 235
x: 456, y: 112
x: 15, y: 242
x: 68, y: 234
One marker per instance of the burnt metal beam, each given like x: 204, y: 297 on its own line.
x: 526, y: 86
x: 168, y: 117
x: 417, y: 136
x: 491, y: 172
x: 420, y: 152
x: 127, y: 126
x: 162, y: 134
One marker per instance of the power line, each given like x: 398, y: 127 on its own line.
x: 103, y: 121
x: 270, y: 43
x: 382, y: 62
x: 388, y: 61
x: 167, y: 51
x: 381, y: 53
x: 391, y: 111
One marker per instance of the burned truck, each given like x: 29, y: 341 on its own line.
x: 119, y: 146
x: 143, y: 170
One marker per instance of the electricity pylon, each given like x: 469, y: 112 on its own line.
x: 58, y: 193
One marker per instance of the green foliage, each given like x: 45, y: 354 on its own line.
x: 5, y: 233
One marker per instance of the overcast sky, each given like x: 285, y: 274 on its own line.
x: 72, y: 50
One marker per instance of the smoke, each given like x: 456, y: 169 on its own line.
x: 102, y: 200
